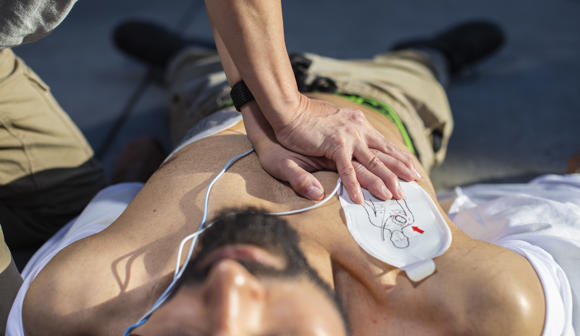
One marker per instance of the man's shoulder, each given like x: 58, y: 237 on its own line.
x: 505, y: 297
x: 63, y: 314
x: 78, y: 294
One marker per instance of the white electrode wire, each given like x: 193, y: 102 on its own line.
x: 179, y: 270
x: 181, y: 246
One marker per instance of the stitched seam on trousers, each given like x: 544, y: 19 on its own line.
x: 8, y: 126
x: 16, y: 69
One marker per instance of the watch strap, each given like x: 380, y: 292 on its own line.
x: 241, y: 95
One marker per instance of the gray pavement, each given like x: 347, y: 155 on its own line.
x: 516, y: 116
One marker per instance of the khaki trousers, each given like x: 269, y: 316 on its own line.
x: 47, y: 170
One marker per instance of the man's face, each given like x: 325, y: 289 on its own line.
x: 248, y: 278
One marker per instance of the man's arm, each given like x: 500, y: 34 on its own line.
x: 252, y: 33
x: 293, y: 167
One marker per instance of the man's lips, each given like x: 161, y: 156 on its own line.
x: 243, y: 252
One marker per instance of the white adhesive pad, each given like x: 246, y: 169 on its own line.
x: 405, y: 233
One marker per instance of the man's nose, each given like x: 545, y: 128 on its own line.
x: 234, y: 298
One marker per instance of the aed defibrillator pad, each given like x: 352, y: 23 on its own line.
x: 406, y: 233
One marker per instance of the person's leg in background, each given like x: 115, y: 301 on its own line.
x: 47, y: 170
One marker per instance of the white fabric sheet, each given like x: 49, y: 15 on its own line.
x: 541, y: 221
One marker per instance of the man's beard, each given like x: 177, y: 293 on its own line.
x: 251, y: 227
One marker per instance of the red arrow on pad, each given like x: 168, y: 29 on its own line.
x: 416, y: 229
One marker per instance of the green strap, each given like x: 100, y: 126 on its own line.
x: 385, y: 110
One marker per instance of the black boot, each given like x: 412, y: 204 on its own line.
x: 463, y: 45
x: 153, y: 44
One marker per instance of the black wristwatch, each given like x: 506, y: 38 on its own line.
x: 241, y: 95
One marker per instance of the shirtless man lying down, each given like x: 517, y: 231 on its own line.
x: 250, y: 273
